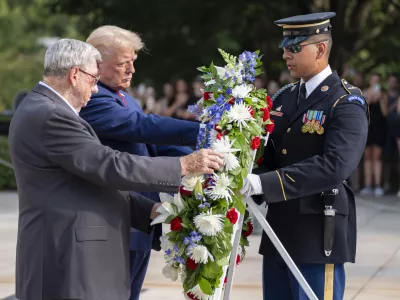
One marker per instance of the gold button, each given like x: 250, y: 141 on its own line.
x: 288, y: 130
x: 284, y: 151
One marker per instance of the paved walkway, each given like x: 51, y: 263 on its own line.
x: 375, y: 276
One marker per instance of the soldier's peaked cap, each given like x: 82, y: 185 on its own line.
x: 299, y: 28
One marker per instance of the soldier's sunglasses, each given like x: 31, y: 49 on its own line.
x: 297, y: 48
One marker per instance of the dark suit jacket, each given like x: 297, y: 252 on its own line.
x: 73, y: 231
x: 120, y: 123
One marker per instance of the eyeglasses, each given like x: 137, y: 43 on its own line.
x: 96, y: 78
x: 297, y: 48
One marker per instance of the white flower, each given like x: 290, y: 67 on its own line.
x: 210, y: 82
x: 204, y: 117
x: 221, y: 72
x: 165, y: 242
x: 220, y: 189
x: 224, y: 145
x: 170, y: 206
x: 200, y: 254
x: 209, y: 224
x: 189, y: 181
x: 198, y: 293
x: 171, y: 270
x: 240, y: 113
x: 213, y: 135
x: 165, y: 209
x: 241, y: 91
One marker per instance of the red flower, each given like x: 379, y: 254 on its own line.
x: 206, y: 95
x: 184, y: 192
x: 191, y: 296
x: 232, y: 215
x: 217, y: 128
x: 255, y: 143
x: 250, y: 230
x: 191, y: 264
x: 219, y: 136
x: 269, y: 101
x: 251, y: 112
x: 260, y: 160
x: 270, y: 127
x: 238, y: 259
x: 226, y: 279
x: 176, y: 224
x: 231, y: 101
x: 266, y: 113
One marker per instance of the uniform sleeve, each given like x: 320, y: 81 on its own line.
x: 344, y: 145
x: 112, y: 121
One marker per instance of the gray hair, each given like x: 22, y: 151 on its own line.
x: 66, y: 54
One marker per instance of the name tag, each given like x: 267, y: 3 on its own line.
x: 276, y: 113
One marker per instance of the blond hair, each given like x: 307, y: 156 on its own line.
x: 110, y: 39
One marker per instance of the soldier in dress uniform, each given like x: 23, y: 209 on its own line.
x: 321, y: 125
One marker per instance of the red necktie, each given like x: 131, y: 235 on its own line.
x: 122, y: 98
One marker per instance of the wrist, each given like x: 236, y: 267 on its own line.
x: 184, y: 170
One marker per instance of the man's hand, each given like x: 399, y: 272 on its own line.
x: 204, y: 161
x: 251, y: 186
x: 154, y: 214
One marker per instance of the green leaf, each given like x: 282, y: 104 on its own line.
x: 239, y: 205
x: 211, y: 270
x: 223, y: 262
x: 205, y: 286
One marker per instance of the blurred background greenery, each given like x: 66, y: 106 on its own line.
x: 181, y: 35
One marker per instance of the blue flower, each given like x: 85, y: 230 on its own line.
x: 201, y: 206
x: 176, y: 249
x: 168, y: 252
x: 179, y: 259
x: 186, y: 241
x: 220, y: 100
x: 228, y: 91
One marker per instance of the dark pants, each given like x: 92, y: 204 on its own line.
x: 139, y: 261
x: 327, y: 281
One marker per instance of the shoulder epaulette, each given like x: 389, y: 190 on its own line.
x: 350, y: 89
x: 288, y: 86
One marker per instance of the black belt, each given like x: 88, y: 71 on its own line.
x: 329, y: 219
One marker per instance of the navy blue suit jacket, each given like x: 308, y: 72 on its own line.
x: 120, y: 123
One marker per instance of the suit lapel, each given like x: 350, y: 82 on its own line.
x: 319, y: 94
x: 41, y: 89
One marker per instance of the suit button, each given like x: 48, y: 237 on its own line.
x: 288, y: 130
x: 284, y: 151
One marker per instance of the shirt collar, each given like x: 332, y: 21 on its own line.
x: 316, y: 80
x: 54, y: 91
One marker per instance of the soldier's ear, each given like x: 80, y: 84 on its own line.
x: 321, y: 47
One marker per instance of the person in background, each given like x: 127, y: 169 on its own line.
x: 378, y: 108
x: 391, y: 153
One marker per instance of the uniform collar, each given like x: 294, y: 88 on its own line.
x: 316, y: 80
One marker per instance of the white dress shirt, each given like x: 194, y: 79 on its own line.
x: 312, y: 84
x: 53, y: 90
x: 252, y: 184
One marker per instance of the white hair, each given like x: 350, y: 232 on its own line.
x: 66, y: 54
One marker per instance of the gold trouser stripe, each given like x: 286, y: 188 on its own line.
x: 283, y: 190
x: 329, y: 274
x: 290, y: 177
x: 305, y: 25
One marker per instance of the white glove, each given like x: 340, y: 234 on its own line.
x: 251, y: 186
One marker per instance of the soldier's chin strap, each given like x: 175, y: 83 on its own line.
x: 329, y: 219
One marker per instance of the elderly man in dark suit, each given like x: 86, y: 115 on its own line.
x: 73, y: 231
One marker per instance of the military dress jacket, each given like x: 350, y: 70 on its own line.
x: 315, y: 146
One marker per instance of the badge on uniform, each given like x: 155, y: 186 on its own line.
x: 278, y: 112
x: 313, y: 121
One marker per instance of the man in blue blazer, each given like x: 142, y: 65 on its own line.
x: 120, y: 123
